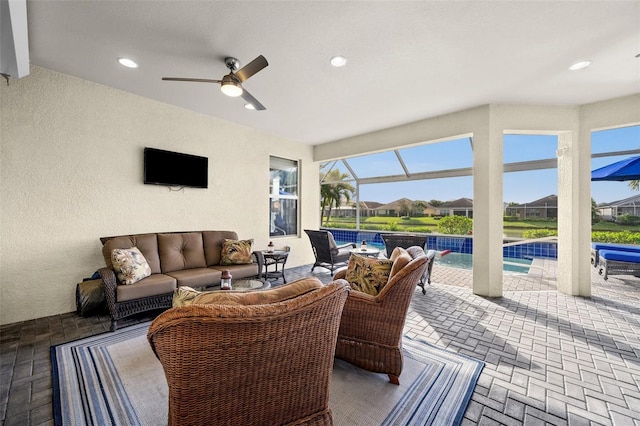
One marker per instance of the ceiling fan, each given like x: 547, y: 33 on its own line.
x: 231, y: 84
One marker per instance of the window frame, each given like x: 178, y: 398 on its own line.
x: 279, y: 201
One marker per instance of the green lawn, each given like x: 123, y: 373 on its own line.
x: 609, y: 226
x: 430, y: 224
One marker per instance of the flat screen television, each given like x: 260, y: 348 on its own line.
x: 175, y: 169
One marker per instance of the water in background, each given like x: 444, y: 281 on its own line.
x: 463, y: 260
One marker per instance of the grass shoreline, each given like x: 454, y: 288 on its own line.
x: 430, y: 224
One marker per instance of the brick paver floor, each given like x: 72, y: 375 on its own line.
x: 550, y: 359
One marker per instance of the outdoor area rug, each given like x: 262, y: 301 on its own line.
x: 114, y: 378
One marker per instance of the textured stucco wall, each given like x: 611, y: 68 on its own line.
x: 71, y: 165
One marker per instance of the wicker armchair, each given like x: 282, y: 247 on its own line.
x: 405, y: 241
x: 371, y: 328
x: 267, y: 364
x: 328, y: 254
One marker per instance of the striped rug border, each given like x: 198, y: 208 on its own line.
x: 456, y: 378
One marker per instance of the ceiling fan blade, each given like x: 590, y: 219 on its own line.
x: 197, y: 80
x: 253, y: 101
x: 251, y: 68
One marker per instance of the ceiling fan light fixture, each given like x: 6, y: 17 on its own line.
x: 231, y: 88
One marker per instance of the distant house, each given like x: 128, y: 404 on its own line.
x: 394, y: 208
x: 368, y: 208
x: 614, y: 209
x: 544, y: 208
x: 459, y: 207
x: 399, y: 207
x: 429, y: 210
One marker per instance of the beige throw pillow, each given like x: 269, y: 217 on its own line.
x: 130, y: 265
x: 400, y: 258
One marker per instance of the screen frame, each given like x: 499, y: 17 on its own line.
x: 171, y: 168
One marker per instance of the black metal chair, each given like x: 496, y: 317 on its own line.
x: 327, y: 253
x: 391, y: 241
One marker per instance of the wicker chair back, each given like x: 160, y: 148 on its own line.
x: 371, y: 328
x: 244, y: 365
x: 391, y: 241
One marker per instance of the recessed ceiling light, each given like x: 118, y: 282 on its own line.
x: 579, y: 65
x: 338, y: 61
x: 126, y: 62
x: 249, y: 106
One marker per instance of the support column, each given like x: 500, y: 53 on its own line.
x: 487, y: 211
x: 574, y: 215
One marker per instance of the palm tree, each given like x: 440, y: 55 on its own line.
x: 332, y: 194
x: 634, y: 185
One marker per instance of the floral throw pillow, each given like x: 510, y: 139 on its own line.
x: 367, y: 274
x: 130, y: 265
x: 236, y: 252
x: 184, y: 296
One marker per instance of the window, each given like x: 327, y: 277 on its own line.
x: 283, y: 197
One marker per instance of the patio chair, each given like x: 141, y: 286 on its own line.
x: 328, y: 254
x: 247, y: 363
x: 391, y: 241
x: 597, y: 247
x: 618, y: 262
x: 371, y: 327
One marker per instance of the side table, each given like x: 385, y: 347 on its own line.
x: 368, y: 252
x: 275, y: 258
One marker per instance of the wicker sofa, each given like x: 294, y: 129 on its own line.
x: 175, y: 259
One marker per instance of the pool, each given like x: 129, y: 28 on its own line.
x: 465, y: 261
x: 462, y: 260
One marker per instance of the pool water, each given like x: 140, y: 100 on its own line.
x: 465, y: 261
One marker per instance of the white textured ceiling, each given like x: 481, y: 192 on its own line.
x: 406, y: 60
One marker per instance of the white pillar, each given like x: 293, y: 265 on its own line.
x: 574, y: 215
x: 487, y: 211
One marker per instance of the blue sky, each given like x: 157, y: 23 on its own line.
x: 519, y: 187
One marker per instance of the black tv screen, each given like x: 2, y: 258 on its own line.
x: 175, y: 169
